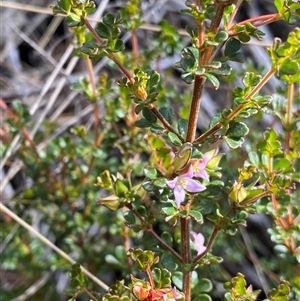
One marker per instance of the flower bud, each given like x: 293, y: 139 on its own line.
x: 237, y: 193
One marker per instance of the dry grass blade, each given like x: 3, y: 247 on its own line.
x: 7, y: 211
x: 16, y: 142
x: 34, y: 288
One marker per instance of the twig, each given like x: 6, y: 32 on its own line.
x: 91, y: 296
x: 238, y: 109
x: 204, y: 58
x: 237, y: 6
x: 165, y: 123
x: 209, y: 244
x: 186, y: 257
x: 153, y: 233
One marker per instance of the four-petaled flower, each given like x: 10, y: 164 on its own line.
x: 184, y: 183
x: 199, y: 242
x: 199, y: 166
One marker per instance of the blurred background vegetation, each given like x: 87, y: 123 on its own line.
x: 53, y: 151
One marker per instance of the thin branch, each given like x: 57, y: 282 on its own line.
x: 254, y: 199
x: 237, y: 6
x: 264, y: 20
x: 290, y: 98
x: 166, y: 124
x: 153, y: 233
x: 195, y: 108
x: 165, y: 245
x: 209, y: 244
x: 186, y: 257
x: 238, y: 109
x: 204, y: 58
x: 111, y: 55
x: 91, y: 296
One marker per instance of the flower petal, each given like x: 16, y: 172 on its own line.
x: 189, y: 174
x: 179, y: 194
x: 194, y: 186
x: 172, y: 183
x: 202, y: 174
x: 200, y: 239
x: 194, y: 234
x: 200, y: 249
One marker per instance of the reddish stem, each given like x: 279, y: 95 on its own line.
x: 263, y: 19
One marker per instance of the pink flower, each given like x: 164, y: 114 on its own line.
x: 184, y: 183
x: 199, y: 166
x: 166, y: 295
x: 199, y: 242
x: 173, y: 295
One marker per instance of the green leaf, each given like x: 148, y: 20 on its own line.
x: 65, y: 5
x: 214, y: 81
x: 189, y: 59
x: 237, y: 130
x: 73, y: 20
x: 119, y: 46
x: 120, y: 253
x: 58, y: 11
x: 157, y: 129
x: 109, y: 19
x: 169, y: 261
x: 177, y: 279
x: 203, y: 297
x: 150, y: 173
x: 281, y: 293
x: 167, y: 113
x: 204, y: 285
x: 234, y: 143
x: 174, y: 139
x: 225, y: 69
x: 182, y: 126
x: 162, y: 278
x: 147, y: 113
x: 232, y: 47
x: 283, y: 165
x: 142, y: 123
x: 75, y: 283
x: 250, y: 79
x: 129, y: 217
x: 289, y: 68
x: 139, y: 108
x: 197, y: 216
x: 148, y: 186
x: 169, y: 210
x: 188, y: 77
x: 154, y: 79
x: 221, y: 36
x: 110, y: 259
x: 279, y: 4
x: 103, y: 31
x: 167, y: 238
x: 160, y: 182
x: 252, y: 194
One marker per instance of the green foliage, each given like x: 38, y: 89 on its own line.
x: 135, y: 176
x: 286, y: 57
x: 238, y: 291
